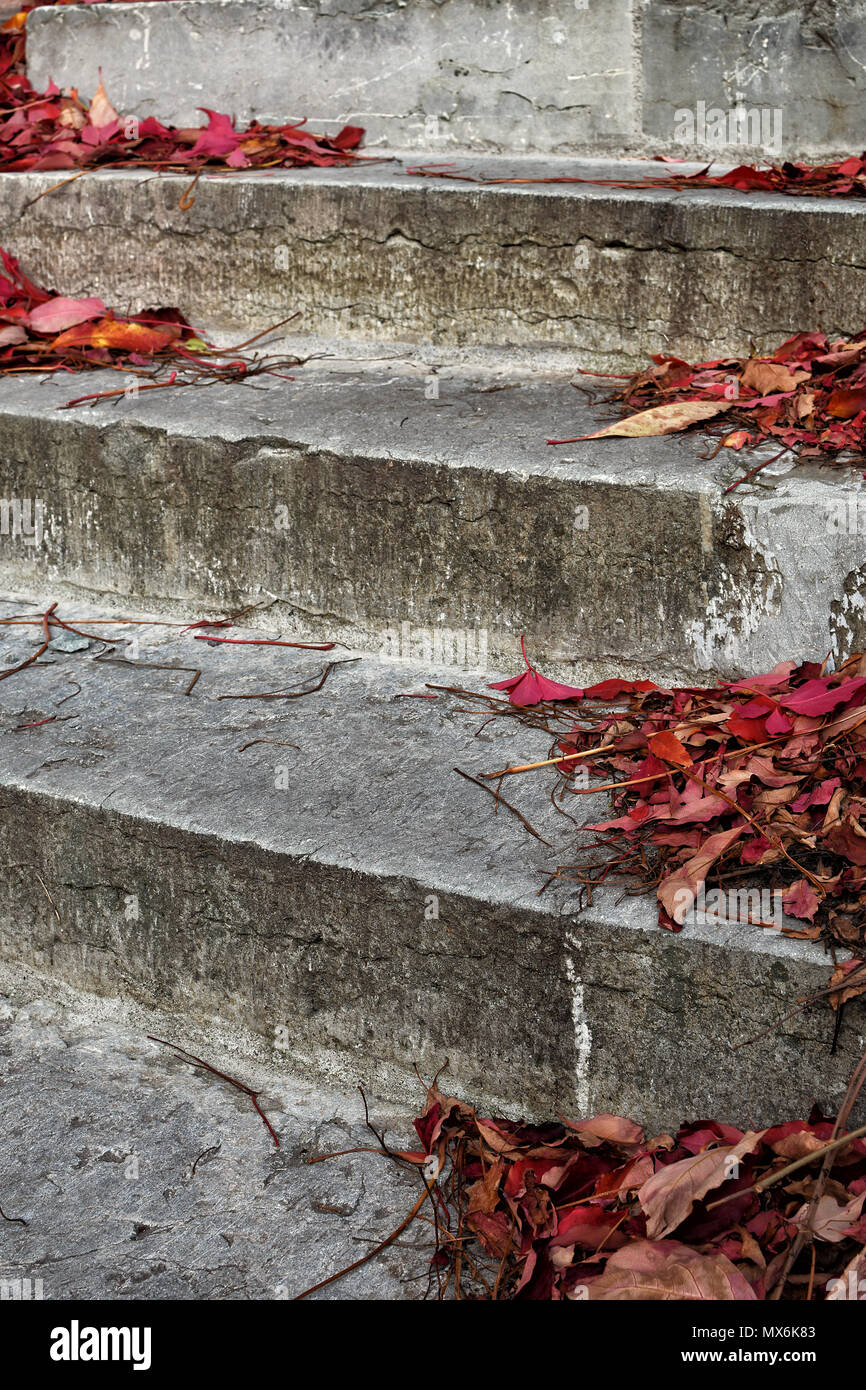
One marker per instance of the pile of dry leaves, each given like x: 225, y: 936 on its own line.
x: 41, y: 331
x: 809, y: 396
x: 755, y: 781
x: 841, y: 178
x: 592, y: 1209
x: 56, y: 130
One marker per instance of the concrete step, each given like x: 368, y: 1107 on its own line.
x: 372, y: 253
x: 140, y: 1177
x: 559, y: 76
x: 367, y: 508
x: 354, y: 907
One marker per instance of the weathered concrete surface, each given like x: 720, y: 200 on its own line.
x: 143, y: 1178
x: 618, y: 274
x: 434, y: 74
x: 358, y: 505
x: 562, y: 76
x: 356, y: 904
x: 804, y: 59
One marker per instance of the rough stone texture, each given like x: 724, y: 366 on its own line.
x: 360, y: 505
x: 435, y: 74
x: 143, y: 1178
x: 562, y: 76
x: 618, y: 274
x: 804, y: 58
x: 357, y: 903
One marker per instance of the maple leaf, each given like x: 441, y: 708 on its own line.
x: 530, y: 688
x: 801, y: 900
x: 219, y: 138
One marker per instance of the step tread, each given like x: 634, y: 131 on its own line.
x: 497, y: 420
x: 372, y: 788
x: 212, y: 1209
x: 394, y: 170
x: 376, y: 906
x: 347, y: 491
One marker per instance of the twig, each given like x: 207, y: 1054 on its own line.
x: 371, y: 1255
x: 265, y: 642
x: 281, y: 743
x: 151, y: 666
x: 13, y: 1220
x: 547, y: 762
x: 500, y: 800
x: 292, y: 695
x: 184, y: 1056
x: 10, y: 671
x: 48, y: 896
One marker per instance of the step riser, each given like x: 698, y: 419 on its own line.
x: 555, y: 77
x: 617, y: 275
x: 443, y: 564
x: 341, y: 974
x: 559, y: 76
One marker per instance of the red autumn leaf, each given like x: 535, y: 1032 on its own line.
x: 219, y: 138
x: 669, y: 1195
x: 55, y: 315
x: 817, y: 697
x: 668, y: 747
x: 530, y: 688
x: 801, y: 900
x: 608, y: 1129
x: 611, y: 689
x: 748, y: 730
x: 844, y: 404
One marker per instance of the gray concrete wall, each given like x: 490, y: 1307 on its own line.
x: 483, y: 74
x: 551, y: 76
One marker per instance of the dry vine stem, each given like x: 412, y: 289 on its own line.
x: 193, y: 1061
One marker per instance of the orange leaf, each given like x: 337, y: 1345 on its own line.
x: 668, y: 747
x: 115, y: 333
x: 844, y: 404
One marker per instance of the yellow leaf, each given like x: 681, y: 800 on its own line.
x: 663, y: 419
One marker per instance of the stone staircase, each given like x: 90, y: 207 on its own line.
x: 352, y: 897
